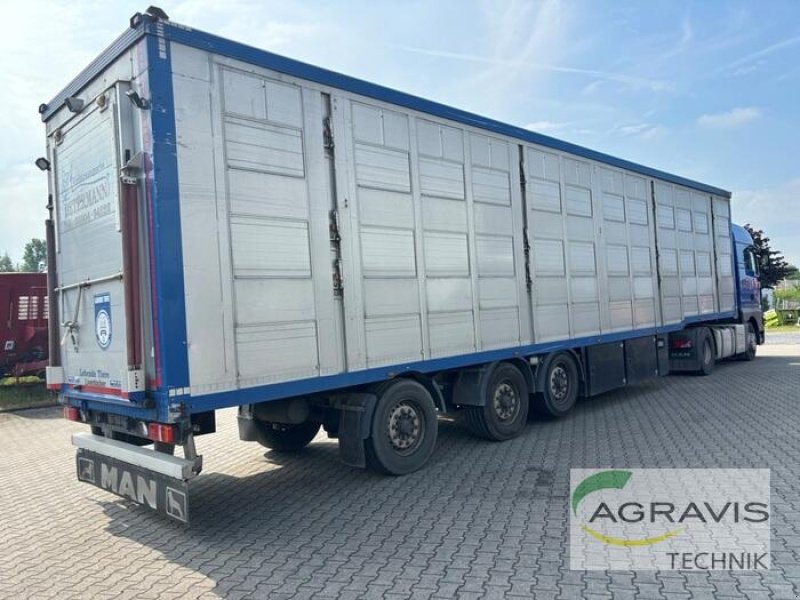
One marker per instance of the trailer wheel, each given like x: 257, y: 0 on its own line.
x: 559, y: 388
x: 707, y: 358
x: 505, y: 410
x: 751, y: 342
x: 404, y: 428
x: 285, y: 438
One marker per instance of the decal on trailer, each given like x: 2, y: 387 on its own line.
x: 102, y: 320
x: 166, y: 495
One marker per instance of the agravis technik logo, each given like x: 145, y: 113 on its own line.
x: 669, y: 519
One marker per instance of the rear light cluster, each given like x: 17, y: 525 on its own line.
x: 681, y: 344
x: 72, y: 414
x: 158, y: 432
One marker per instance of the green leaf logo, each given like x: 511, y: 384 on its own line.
x: 599, y: 481
x: 611, y: 480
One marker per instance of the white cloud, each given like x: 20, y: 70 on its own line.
x: 23, y: 195
x: 653, y: 85
x: 776, y: 211
x: 772, y: 48
x: 645, y: 131
x: 546, y: 126
x: 732, y: 118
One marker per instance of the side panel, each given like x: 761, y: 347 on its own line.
x: 258, y: 275
x: 592, y: 257
x: 208, y: 299
x: 723, y: 248
x: 627, y: 249
x: 435, y: 240
x: 431, y: 217
x: 385, y: 288
x: 686, y: 250
x: 497, y: 215
x: 445, y: 239
x: 546, y: 234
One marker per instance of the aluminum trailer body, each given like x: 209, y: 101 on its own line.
x: 235, y: 228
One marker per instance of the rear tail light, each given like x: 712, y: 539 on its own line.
x: 681, y: 344
x: 158, y: 432
x: 72, y: 414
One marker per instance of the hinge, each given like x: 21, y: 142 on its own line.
x: 338, y: 283
x: 333, y: 227
x: 327, y: 135
x: 335, y: 239
x: 129, y: 173
x: 526, y: 245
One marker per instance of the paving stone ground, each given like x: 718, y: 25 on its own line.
x: 483, y: 520
x: 782, y: 338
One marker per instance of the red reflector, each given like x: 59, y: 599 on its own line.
x: 158, y: 432
x: 71, y: 413
x: 682, y: 344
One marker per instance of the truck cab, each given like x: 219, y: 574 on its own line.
x: 748, y: 286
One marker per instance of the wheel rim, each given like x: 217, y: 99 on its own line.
x: 559, y: 383
x: 505, y: 402
x: 405, y: 427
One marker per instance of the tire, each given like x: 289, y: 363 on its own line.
x: 559, y: 387
x: 505, y: 411
x: 751, y: 343
x: 404, y: 428
x: 285, y: 438
x: 707, y: 357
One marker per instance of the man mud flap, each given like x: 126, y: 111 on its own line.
x: 155, y: 480
x: 355, y: 423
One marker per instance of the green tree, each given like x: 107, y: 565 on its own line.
x: 35, y: 256
x: 792, y: 272
x: 6, y: 266
x: 774, y: 267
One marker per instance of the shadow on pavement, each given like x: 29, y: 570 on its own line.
x: 306, y: 516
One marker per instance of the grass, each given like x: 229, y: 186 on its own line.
x: 25, y: 395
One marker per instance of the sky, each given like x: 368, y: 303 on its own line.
x: 707, y: 90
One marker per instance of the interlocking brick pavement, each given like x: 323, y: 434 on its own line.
x: 483, y: 520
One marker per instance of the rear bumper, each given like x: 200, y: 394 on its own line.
x: 164, y: 464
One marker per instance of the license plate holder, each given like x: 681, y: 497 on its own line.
x: 166, y: 495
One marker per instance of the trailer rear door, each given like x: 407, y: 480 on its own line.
x: 88, y: 152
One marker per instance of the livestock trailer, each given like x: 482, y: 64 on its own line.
x: 23, y: 323
x: 234, y: 228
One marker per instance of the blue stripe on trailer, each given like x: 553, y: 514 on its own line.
x: 171, y: 321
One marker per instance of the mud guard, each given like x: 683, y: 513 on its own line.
x: 355, y: 423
